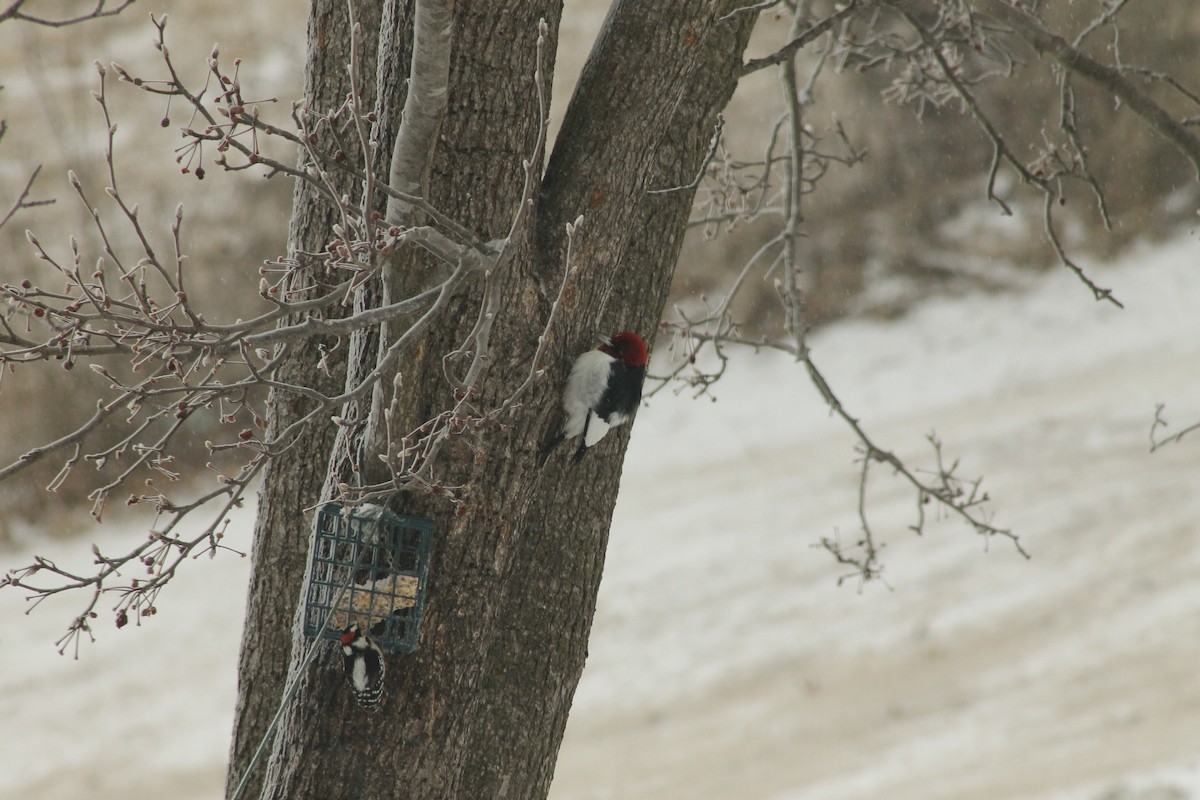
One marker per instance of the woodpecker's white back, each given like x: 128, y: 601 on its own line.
x: 602, y: 391
x: 585, y: 386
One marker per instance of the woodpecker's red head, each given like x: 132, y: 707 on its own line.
x: 350, y: 634
x: 627, y: 347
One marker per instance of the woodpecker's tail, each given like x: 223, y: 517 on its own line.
x: 548, y: 448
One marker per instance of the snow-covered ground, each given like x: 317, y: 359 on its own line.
x: 726, y: 661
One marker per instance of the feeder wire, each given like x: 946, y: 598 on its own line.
x: 291, y: 688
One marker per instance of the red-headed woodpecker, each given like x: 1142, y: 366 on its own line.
x: 603, y: 390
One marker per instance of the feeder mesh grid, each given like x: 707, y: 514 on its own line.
x: 382, y: 561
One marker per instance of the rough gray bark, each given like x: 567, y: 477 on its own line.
x: 281, y: 536
x: 479, y: 710
x: 635, y: 124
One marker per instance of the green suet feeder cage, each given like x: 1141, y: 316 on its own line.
x: 369, y: 566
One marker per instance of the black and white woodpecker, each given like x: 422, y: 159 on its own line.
x: 363, y: 661
x: 602, y: 391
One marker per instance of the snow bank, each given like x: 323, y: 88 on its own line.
x: 726, y: 661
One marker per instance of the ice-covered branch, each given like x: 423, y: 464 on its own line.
x: 1111, y: 79
x: 799, y: 40
x: 1046, y: 174
x: 131, y: 299
x: 411, y: 455
x: 960, y: 497
x: 424, y: 106
x: 793, y: 174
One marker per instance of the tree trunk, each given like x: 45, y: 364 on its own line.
x: 478, y: 711
x: 642, y: 119
x: 281, y: 530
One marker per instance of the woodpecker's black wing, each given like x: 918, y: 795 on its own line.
x: 618, y: 403
x: 623, y: 394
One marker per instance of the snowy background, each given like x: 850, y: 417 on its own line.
x: 726, y: 661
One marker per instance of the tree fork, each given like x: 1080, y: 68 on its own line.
x: 479, y: 709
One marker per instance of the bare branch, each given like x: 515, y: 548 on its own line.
x: 801, y: 167
x: 751, y: 9
x: 1161, y: 422
x: 1108, y: 78
x: 1049, y: 202
x: 798, y: 42
x: 23, y: 202
x: 184, y: 364
x: 15, y: 12
x: 1110, y: 13
x: 411, y: 456
x: 713, y: 144
x: 1046, y: 175
x: 794, y: 323
x: 38, y: 453
x: 424, y: 105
